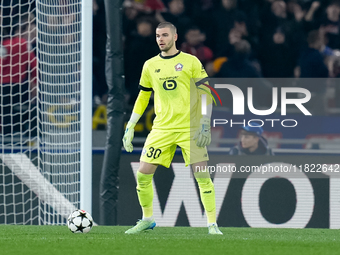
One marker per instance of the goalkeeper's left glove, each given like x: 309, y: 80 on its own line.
x: 203, y: 134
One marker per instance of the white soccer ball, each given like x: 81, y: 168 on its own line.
x: 80, y: 221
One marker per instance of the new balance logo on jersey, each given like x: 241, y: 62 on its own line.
x: 207, y: 192
x: 157, y: 70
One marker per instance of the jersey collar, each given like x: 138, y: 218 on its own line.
x: 168, y: 57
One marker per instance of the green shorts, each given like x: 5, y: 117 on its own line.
x: 160, y: 148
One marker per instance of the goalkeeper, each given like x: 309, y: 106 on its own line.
x: 178, y: 110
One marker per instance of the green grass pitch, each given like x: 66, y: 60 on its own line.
x: 50, y: 240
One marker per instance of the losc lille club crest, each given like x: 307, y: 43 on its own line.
x: 179, y: 67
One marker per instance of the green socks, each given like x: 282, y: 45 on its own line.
x: 207, y: 192
x: 145, y: 193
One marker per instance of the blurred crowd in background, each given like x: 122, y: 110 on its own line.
x: 232, y: 38
x: 238, y: 38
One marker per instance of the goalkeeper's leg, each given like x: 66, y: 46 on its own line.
x: 207, y: 192
x: 145, y: 196
x: 145, y: 188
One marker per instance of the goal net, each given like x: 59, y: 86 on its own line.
x: 40, y: 78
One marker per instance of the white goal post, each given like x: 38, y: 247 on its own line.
x: 46, y: 110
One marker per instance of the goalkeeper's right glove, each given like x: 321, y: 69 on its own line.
x: 128, y: 136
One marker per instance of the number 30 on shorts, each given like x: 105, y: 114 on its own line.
x: 153, y: 153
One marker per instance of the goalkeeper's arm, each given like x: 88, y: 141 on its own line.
x: 138, y: 110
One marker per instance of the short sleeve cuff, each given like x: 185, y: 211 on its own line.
x: 144, y: 88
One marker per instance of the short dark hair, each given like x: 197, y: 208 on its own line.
x: 145, y: 19
x: 244, y: 132
x: 193, y: 27
x: 169, y: 25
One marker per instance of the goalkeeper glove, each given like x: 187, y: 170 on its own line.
x: 203, y: 134
x: 128, y: 136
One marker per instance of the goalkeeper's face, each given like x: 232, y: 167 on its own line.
x: 165, y: 39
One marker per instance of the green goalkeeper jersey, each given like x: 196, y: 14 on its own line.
x: 176, y: 98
